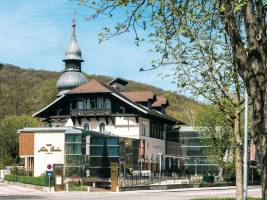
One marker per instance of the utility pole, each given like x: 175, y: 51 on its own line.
x: 245, y: 157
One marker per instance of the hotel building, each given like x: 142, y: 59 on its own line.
x: 91, y: 124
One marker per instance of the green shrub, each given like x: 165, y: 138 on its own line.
x: 208, y: 179
x: 40, y: 181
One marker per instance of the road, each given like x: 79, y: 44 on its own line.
x: 8, y: 192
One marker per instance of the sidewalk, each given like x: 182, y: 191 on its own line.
x: 194, y: 189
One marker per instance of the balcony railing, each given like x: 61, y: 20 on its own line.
x: 90, y: 112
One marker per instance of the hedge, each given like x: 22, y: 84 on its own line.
x: 41, y: 181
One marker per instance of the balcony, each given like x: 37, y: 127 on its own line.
x: 91, y: 112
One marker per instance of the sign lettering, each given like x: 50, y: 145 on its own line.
x: 49, y: 149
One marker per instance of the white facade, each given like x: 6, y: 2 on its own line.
x: 123, y: 127
x: 48, y: 149
x: 128, y: 127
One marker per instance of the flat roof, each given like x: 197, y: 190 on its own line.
x: 46, y: 129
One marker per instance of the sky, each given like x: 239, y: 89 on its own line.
x: 36, y: 33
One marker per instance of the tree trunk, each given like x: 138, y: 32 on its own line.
x: 264, y: 174
x: 262, y: 145
x: 238, y: 158
x: 220, y: 174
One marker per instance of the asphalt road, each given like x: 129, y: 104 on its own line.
x: 8, y: 192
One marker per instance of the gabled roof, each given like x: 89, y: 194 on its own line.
x: 49, y: 105
x: 92, y: 86
x: 142, y: 96
x: 161, y: 101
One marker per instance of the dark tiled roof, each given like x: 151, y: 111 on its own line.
x: 92, y: 86
x: 161, y: 101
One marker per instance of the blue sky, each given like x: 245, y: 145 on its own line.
x: 36, y: 33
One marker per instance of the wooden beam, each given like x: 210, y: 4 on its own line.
x: 79, y: 120
x: 73, y: 120
x: 113, y: 120
x: 106, y: 119
x: 137, y: 119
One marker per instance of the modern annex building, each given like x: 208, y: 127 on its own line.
x: 91, y: 124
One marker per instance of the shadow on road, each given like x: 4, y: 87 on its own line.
x: 6, y: 197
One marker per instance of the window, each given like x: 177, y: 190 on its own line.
x: 88, y: 104
x: 73, y: 144
x: 93, y: 103
x: 100, y: 103
x: 86, y: 126
x: 143, y: 128
x: 74, y: 148
x: 108, y: 103
x: 80, y: 104
x: 102, y: 127
x: 73, y: 138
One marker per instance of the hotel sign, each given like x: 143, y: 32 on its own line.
x: 49, y: 149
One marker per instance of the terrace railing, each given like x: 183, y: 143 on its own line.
x: 90, y: 112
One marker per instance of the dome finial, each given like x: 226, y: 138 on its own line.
x: 73, y: 21
x: 73, y: 52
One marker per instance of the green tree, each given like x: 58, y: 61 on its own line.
x: 218, y: 134
x: 185, y: 32
x: 9, y: 137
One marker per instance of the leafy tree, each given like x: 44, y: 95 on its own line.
x: 9, y: 142
x: 218, y: 134
x: 181, y: 108
x: 185, y: 32
x: 190, y: 36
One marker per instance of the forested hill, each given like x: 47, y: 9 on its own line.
x: 25, y: 91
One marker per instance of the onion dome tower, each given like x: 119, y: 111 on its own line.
x: 72, y: 76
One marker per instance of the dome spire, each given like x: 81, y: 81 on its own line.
x: 73, y: 76
x: 74, y: 51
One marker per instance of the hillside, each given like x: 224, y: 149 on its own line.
x: 25, y: 91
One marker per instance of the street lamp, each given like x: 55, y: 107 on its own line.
x: 160, y: 154
x: 195, y: 166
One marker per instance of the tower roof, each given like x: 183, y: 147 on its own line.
x: 73, y: 52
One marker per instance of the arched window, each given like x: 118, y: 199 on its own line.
x: 86, y: 126
x: 102, y: 127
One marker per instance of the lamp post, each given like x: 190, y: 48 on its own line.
x: 245, y: 157
x: 160, y: 154
x: 195, y: 167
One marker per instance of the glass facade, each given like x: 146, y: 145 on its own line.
x: 192, y: 149
x: 89, y: 154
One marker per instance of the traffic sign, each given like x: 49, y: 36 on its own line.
x: 49, y: 167
x: 49, y: 173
